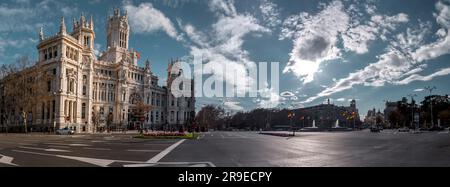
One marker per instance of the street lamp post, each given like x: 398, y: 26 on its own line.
x: 430, y: 89
x: 54, y: 116
x: 412, y: 108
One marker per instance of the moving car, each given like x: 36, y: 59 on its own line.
x: 65, y: 131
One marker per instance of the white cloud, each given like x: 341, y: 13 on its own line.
x: 442, y: 45
x: 416, y: 77
x: 97, y: 49
x: 341, y: 99
x: 221, y: 45
x: 419, y: 90
x: 405, y: 57
x: 231, y: 105
x: 315, y: 39
x: 223, y: 7
x: 6, y: 43
x: 147, y: 19
x: 357, y: 37
x: 270, y: 13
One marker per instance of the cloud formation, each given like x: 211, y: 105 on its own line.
x: 404, y: 58
x: 221, y: 44
x: 144, y: 18
x: 315, y: 39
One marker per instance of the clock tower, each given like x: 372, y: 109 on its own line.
x: 118, y: 30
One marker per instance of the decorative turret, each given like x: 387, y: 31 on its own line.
x: 62, y: 27
x: 41, y: 34
x: 82, y: 20
x: 74, y: 24
x: 147, y: 66
x: 91, y: 23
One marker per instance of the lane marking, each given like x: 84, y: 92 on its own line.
x: 7, y: 160
x: 98, y: 141
x: 79, y: 145
x: 162, y: 154
x: 44, y: 149
x: 95, y: 161
x: 199, y: 165
x: 139, y: 165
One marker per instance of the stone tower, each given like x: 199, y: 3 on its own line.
x: 83, y: 31
x: 118, y: 30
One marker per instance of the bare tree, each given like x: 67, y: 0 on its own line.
x: 24, y: 89
x: 95, y: 119
x: 142, y: 109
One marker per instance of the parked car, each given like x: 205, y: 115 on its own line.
x: 375, y: 129
x: 65, y: 131
x: 405, y: 129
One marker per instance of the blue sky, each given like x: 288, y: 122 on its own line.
x: 371, y: 50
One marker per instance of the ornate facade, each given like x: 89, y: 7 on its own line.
x: 86, y: 92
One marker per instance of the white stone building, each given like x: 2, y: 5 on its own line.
x: 110, y: 85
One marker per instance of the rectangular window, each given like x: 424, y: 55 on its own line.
x: 151, y: 117
x: 45, y: 54
x: 53, y: 109
x: 55, y: 52
x: 49, y: 86
x: 50, y: 53
x: 84, y: 90
x: 83, y: 111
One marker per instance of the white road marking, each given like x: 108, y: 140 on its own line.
x: 97, y: 141
x: 79, y: 145
x: 44, y: 149
x: 98, y: 149
x: 94, y: 161
x: 63, y: 144
x: 186, y: 163
x: 7, y: 160
x: 199, y: 165
x: 162, y: 154
x: 139, y: 165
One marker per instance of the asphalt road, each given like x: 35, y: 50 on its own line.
x: 228, y: 149
x: 317, y: 149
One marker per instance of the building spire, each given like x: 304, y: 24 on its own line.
x: 41, y: 34
x: 91, y: 23
x: 62, y: 27
x: 82, y: 20
x: 74, y: 24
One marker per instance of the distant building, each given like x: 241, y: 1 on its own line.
x: 326, y: 115
x: 374, y: 118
